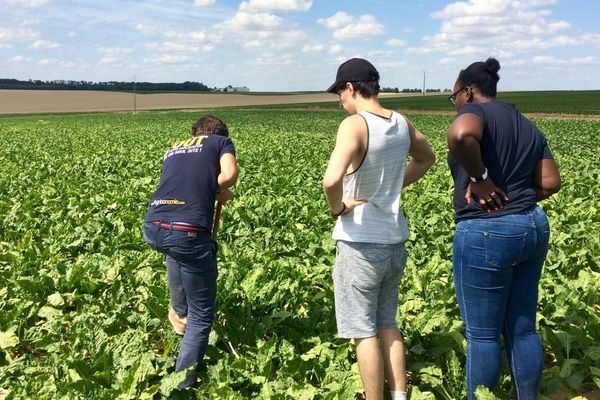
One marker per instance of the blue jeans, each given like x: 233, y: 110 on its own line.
x: 497, y: 265
x: 192, y: 275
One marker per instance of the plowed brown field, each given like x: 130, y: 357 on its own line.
x: 66, y: 101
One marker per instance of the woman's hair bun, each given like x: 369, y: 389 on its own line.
x: 492, y: 66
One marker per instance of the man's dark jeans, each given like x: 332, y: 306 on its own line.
x: 192, y: 274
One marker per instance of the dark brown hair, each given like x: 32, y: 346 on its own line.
x: 367, y: 89
x: 210, y: 125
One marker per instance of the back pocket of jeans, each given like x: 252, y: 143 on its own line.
x: 503, y: 250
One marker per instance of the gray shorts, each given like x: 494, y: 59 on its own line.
x: 365, y: 284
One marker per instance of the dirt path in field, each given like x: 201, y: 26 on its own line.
x: 74, y: 101
x: 68, y: 101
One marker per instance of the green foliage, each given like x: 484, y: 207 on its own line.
x: 83, y: 300
x: 584, y: 102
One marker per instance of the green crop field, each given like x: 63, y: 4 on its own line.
x: 581, y: 102
x: 83, y: 300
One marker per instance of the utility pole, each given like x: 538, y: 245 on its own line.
x: 424, y: 73
x: 134, y: 96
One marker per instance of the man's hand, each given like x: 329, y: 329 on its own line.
x: 347, y: 206
x: 351, y: 204
x: 490, y: 196
x: 224, y: 196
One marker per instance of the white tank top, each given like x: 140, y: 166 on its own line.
x: 378, y: 180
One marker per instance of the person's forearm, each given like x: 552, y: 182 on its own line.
x: 542, y: 194
x: 334, y: 194
x: 415, y: 170
x: 225, y: 181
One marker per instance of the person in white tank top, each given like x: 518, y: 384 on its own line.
x: 363, y: 183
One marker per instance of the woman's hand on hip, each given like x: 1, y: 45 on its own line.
x: 489, y: 196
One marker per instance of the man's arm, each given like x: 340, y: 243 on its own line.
x: 229, y: 171
x: 346, y: 147
x: 422, y: 157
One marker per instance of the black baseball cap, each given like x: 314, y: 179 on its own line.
x: 354, y: 70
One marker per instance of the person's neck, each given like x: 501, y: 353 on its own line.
x: 371, y: 105
x: 478, y: 99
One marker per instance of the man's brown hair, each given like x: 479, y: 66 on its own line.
x: 210, y: 125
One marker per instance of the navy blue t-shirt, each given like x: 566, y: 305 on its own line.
x: 511, y: 146
x: 188, y: 182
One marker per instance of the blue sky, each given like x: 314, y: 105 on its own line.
x: 284, y: 45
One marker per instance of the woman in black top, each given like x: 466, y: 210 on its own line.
x: 501, y: 166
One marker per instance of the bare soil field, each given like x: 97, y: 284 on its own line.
x: 67, y: 101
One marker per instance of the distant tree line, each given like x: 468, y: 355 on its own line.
x: 406, y: 90
x: 110, y: 86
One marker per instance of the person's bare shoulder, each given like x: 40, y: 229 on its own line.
x: 353, y: 125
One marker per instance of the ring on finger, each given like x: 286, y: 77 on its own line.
x: 493, y: 194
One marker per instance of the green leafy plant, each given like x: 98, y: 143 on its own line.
x: 83, y: 300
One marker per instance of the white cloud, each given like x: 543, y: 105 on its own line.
x: 583, y: 60
x: 204, y: 3
x: 47, y: 61
x: 245, y: 21
x: 274, y: 59
x: 146, y: 29
x: 552, y: 61
x: 336, y: 49
x: 198, y: 36
x: 380, y: 53
x: 348, y: 27
x: 544, y: 60
x: 113, y: 55
x: 275, y: 5
x: 389, y: 65
x: 43, y: 45
x: 253, y: 44
x: 558, y: 26
x: 396, y: 42
x: 26, y: 3
x: 338, y: 20
x: 171, y: 47
x: 8, y: 37
x: 110, y: 60
x: 259, y: 30
x: 20, y: 58
x: 113, y: 50
x: 536, y: 44
x: 312, y: 48
x: 447, y: 60
x: 184, y: 42
x: 503, y: 28
x: 472, y: 7
x: 167, y: 59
